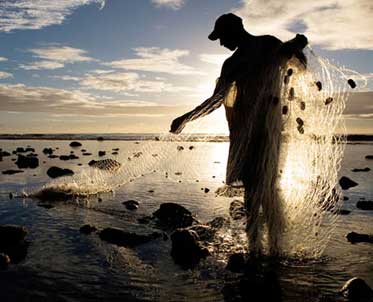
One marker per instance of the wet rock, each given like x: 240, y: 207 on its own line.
x: 369, y: 157
x: 131, y: 204
x: 29, y: 149
x: 4, y: 261
x: 11, y: 172
x: 357, y: 290
x: 300, y: 129
x: 20, y: 150
x: 342, y: 212
x: 186, y: 250
x: 69, y: 157
x: 101, y: 153
x: 87, y: 229
x: 318, y: 85
x: 347, y: 183
x: 127, y: 239
x: 144, y: 220
x: 285, y: 110
x: 137, y: 154
x: 361, y: 170
x: 204, y: 232
x: 114, y: 153
x: 27, y: 162
x: 365, y: 205
x: 54, y: 172
x: 286, y: 79
x: 115, y: 149
x: 237, y: 210
x: 289, y: 72
x: 180, y: 148
x: 352, y: 83
x: 299, y: 121
x: 109, y: 165
x: 75, y: 144
x: 356, y: 237
x: 191, y: 147
x: 328, y: 100
x: 12, y: 242
x: 86, y: 154
x: 172, y: 215
x: 47, y: 150
x: 100, y: 138
x: 206, y: 190
x: 236, y: 262
x: 4, y: 153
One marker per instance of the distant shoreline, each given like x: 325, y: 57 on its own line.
x: 351, y: 138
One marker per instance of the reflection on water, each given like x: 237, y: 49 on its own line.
x: 64, y: 265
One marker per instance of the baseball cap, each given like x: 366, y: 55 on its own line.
x: 224, y: 22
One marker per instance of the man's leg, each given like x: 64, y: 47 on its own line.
x: 252, y: 207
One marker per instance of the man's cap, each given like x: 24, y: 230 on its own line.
x: 224, y: 22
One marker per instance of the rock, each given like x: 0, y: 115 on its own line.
x: 206, y: 190
x: 237, y: 210
x: 144, y: 220
x: 364, y: 205
x: 4, y: 261
x: 101, y: 153
x: 131, y: 204
x: 11, y: 172
x: 109, y: 165
x: 86, y: 154
x: 20, y: 150
x: 87, y: 229
x: 357, y: 290
x: 361, y: 170
x: 285, y: 110
x: 191, y: 147
x: 289, y: 72
x: 328, y: 100
x: 12, y: 234
x: 236, y: 262
x: 204, y: 232
x: 352, y: 83
x: 5, y: 153
x: 347, y: 183
x: 319, y: 85
x: 356, y: 237
x: 302, y: 105
x: 52, y: 156
x: 47, y: 150
x: 54, y: 172
x: 115, y: 153
x: 218, y: 222
x: 275, y: 100
x: 342, y: 212
x: 366, y: 157
x: 186, y: 250
x: 100, y: 138
x: 291, y: 94
x: 75, y: 144
x: 45, y: 205
x: 286, y: 80
x: 115, y: 149
x: 172, y: 215
x: 29, y: 149
x: 180, y: 148
x: 27, y: 162
x: 127, y: 239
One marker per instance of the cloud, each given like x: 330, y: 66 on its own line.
x: 155, y: 59
x: 126, y: 82
x: 333, y: 24
x: 5, y: 75
x: 173, y: 4
x: 31, y: 14
x: 55, y: 56
x: 65, y: 78
x: 26, y: 99
x: 216, y: 59
x: 2, y: 59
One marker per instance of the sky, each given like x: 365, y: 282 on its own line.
x: 126, y: 66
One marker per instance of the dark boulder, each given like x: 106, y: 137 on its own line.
x: 52, y: 156
x: 87, y: 229
x: 29, y: 149
x: 237, y: 210
x: 180, y: 148
x: 356, y: 237
x: 4, y: 261
x: 54, y: 172
x: 131, y: 204
x: 86, y: 153
x: 27, y: 162
x: 69, y: 157
x: 369, y: 157
x: 236, y: 262
x: 101, y: 153
x: 352, y: 83
x: 20, y: 150
x: 186, y: 250
x: 365, y: 205
x: 172, y: 215
x: 347, y: 183
x: 11, y: 172
x: 5, y: 153
x: 75, y: 144
x: 47, y: 150
x: 127, y: 239
x: 366, y: 169
x: 100, y: 138
x: 357, y: 290
x: 12, y: 242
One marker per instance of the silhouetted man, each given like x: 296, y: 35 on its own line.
x: 249, y: 87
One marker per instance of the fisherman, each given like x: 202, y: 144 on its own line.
x: 249, y: 86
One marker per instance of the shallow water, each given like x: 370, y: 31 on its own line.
x: 64, y: 265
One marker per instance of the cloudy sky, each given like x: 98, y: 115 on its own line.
x: 95, y: 66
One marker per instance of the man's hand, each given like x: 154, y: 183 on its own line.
x: 178, y: 125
